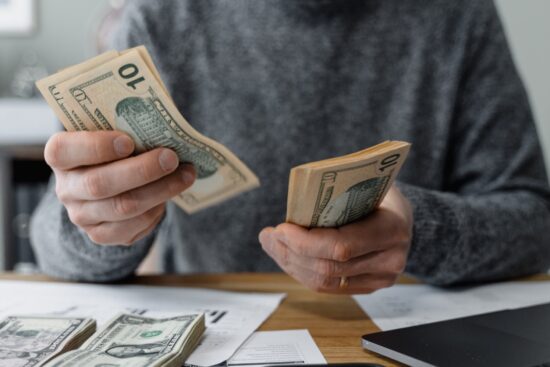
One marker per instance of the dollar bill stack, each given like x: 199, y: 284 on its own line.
x: 124, y: 91
x: 137, y: 341
x: 31, y: 340
x: 337, y: 191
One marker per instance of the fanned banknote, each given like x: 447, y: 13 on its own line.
x: 123, y: 91
x: 337, y: 191
x: 27, y: 341
x: 137, y: 341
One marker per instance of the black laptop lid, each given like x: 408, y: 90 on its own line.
x: 512, y: 338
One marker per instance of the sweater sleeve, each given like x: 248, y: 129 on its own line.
x: 491, y: 220
x: 61, y: 248
x: 65, y: 251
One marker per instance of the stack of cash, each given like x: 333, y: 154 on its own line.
x: 136, y: 341
x: 31, y: 341
x: 337, y: 191
x: 124, y: 91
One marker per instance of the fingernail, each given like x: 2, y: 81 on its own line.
x: 168, y: 160
x: 188, y: 174
x: 124, y: 146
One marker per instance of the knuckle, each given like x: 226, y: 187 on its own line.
x: 273, y: 249
x: 299, y: 246
x: 61, y: 191
x: 398, y: 265
x: 98, y: 235
x: 326, y: 268
x: 285, y: 255
x: 266, y: 246
x: 342, y: 251
x: 125, y: 205
x: 321, y: 283
x: 77, y: 216
x: 95, y: 185
x: 54, y: 150
x: 97, y: 145
x: 146, y: 172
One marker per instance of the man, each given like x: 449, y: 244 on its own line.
x: 284, y: 82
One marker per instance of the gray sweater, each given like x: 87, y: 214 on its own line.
x: 284, y: 82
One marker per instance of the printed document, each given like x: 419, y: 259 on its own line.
x: 266, y: 348
x: 408, y: 305
x: 230, y: 317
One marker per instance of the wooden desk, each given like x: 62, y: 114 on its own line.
x: 335, y: 322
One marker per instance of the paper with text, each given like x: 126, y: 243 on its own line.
x: 230, y: 317
x: 408, y: 305
x: 265, y: 348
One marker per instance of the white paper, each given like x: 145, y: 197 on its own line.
x: 409, y: 305
x: 266, y: 348
x: 230, y: 317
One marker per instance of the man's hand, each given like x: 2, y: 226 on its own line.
x: 114, y: 198
x: 371, y: 252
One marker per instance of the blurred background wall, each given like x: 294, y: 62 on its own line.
x: 65, y: 35
x: 528, y: 30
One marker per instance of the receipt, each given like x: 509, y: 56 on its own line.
x: 266, y: 348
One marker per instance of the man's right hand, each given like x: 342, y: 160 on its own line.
x: 116, y: 199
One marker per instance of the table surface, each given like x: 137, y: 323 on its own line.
x: 336, y: 322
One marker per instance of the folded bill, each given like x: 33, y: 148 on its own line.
x: 123, y: 91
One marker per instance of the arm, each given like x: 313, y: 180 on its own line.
x: 65, y: 251
x: 492, y: 220
x: 101, y: 224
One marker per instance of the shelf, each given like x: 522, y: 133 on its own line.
x: 26, y: 123
x: 27, y: 126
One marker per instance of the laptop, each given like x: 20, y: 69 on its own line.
x: 510, y: 338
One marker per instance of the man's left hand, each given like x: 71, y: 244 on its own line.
x: 370, y: 253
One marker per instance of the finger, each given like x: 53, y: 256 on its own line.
x: 126, y: 232
x: 359, y: 238
x: 361, y: 282
x: 68, y: 150
x: 388, y: 262
x: 136, y: 202
x: 366, y: 283
x: 282, y: 258
x: 117, y: 177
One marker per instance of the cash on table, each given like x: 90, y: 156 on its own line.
x: 127, y: 340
